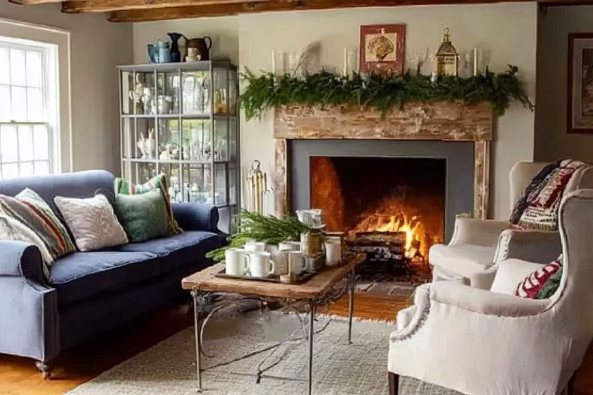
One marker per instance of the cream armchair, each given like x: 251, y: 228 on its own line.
x: 482, y: 342
x: 478, y: 246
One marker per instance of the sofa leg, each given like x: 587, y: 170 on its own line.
x: 393, y: 380
x: 45, y: 369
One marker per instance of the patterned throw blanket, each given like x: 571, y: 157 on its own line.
x: 538, y: 207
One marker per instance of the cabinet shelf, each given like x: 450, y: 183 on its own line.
x: 204, y: 126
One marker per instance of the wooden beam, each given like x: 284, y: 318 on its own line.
x: 212, y: 10
x: 33, y: 2
x: 91, y: 6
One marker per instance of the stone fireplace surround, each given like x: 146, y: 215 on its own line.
x: 438, y: 121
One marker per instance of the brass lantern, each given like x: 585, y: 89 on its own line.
x: 447, y: 58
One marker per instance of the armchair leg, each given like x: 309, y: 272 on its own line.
x: 45, y: 369
x: 570, y: 385
x: 393, y: 380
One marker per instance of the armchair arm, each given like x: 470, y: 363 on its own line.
x: 528, y: 245
x: 20, y: 259
x: 196, y: 216
x: 481, y: 232
x: 485, y: 302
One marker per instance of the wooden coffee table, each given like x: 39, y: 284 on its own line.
x: 324, y: 288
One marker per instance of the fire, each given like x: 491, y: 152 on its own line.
x: 391, y: 223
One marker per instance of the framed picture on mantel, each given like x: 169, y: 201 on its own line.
x: 579, y: 112
x: 382, y: 49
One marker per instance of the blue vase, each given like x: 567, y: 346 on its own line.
x: 175, y: 54
x: 164, y: 52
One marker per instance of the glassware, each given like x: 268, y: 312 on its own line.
x: 278, y: 63
x: 294, y: 63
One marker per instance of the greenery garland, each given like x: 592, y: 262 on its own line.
x: 258, y: 227
x: 384, y: 92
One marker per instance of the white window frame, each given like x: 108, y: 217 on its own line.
x: 57, y: 74
x: 50, y: 101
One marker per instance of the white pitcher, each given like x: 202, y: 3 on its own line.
x: 296, y: 262
x: 333, y: 252
x: 235, y: 262
x: 280, y: 259
x: 260, y: 264
x: 255, y: 246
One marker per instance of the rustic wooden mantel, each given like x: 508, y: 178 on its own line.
x: 441, y: 121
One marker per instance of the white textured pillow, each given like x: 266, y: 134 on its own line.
x: 92, y: 222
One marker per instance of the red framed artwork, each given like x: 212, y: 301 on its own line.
x: 382, y: 49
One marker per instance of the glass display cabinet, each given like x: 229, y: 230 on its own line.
x: 180, y: 119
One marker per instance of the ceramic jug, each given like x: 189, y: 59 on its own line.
x: 175, y: 53
x: 153, y: 53
x: 202, y: 44
x: 164, y: 52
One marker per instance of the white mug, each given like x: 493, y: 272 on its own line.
x: 254, y: 246
x: 289, y: 246
x: 280, y: 259
x: 333, y: 252
x: 296, y: 262
x: 236, y: 262
x: 260, y: 264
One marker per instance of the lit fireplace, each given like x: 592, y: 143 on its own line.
x: 391, y: 208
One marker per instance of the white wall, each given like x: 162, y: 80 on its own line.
x: 96, y: 47
x: 507, y: 31
x: 552, y: 141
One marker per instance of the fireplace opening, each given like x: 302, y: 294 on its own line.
x: 392, y: 208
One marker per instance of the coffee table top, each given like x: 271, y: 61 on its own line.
x: 316, y: 287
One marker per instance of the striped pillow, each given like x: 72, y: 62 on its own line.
x: 31, y: 210
x: 159, y: 182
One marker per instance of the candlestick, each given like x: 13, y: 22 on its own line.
x: 475, y: 62
x: 345, y: 68
x: 273, y: 62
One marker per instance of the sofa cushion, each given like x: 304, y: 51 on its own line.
x: 84, y: 274
x: 179, y: 250
x: 510, y: 273
x: 462, y: 259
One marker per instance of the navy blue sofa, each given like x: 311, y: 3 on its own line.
x: 92, y: 292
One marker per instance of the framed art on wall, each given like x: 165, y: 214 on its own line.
x: 579, y: 113
x: 382, y: 49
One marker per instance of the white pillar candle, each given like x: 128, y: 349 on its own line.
x: 273, y: 62
x: 475, y: 62
x: 345, y: 68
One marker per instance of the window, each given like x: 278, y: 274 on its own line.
x: 28, y: 108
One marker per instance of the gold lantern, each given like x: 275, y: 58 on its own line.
x: 447, y: 58
x: 257, y: 186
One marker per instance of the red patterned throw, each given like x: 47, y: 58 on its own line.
x: 531, y: 286
x: 538, y: 207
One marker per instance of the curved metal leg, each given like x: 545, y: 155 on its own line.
x: 311, y: 331
x: 195, y: 295
x: 351, y: 285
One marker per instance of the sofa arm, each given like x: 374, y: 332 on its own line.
x: 482, y: 232
x: 196, y: 216
x: 528, y: 245
x: 20, y: 259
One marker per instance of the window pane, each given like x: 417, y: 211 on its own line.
x: 41, y: 146
x: 35, y: 104
x: 10, y: 171
x: 17, y: 67
x: 42, y: 168
x: 4, y: 103
x: 34, y: 69
x: 19, y: 104
x: 27, y: 169
x: 8, y: 144
x: 4, y: 66
x: 26, y: 143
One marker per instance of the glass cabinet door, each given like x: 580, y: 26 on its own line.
x: 221, y: 139
x: 199, y: 182
x: 138, y: 91
x: 169, y: 140
x: 197, y: 138
x: 168, y: 93
x: 196, y: 93
x: 174, y: 180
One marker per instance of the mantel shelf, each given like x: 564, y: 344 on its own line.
x: 416, y: 121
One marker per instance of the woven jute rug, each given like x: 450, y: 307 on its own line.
x: 339, y: 369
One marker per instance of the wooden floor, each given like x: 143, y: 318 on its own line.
x: 18, y: 376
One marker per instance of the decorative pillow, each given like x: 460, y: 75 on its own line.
x: 535, y: 285
x: 92, y: 222
x: 28, y: 208
x: 159, y: 182
x: 13, y: 229
x: 143, y: 216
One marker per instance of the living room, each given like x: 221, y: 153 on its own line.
x: 360, y: 332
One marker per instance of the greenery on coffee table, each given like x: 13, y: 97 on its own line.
x: 258, y: 227
x: 383, y: 92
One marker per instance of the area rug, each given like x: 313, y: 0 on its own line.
x: 339, y: 368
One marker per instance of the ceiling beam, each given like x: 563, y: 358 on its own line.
x: 33, y: 2
x: 91, y: 6
x: 212, y: 10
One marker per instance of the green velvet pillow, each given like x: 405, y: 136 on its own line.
x: 144, y: 216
